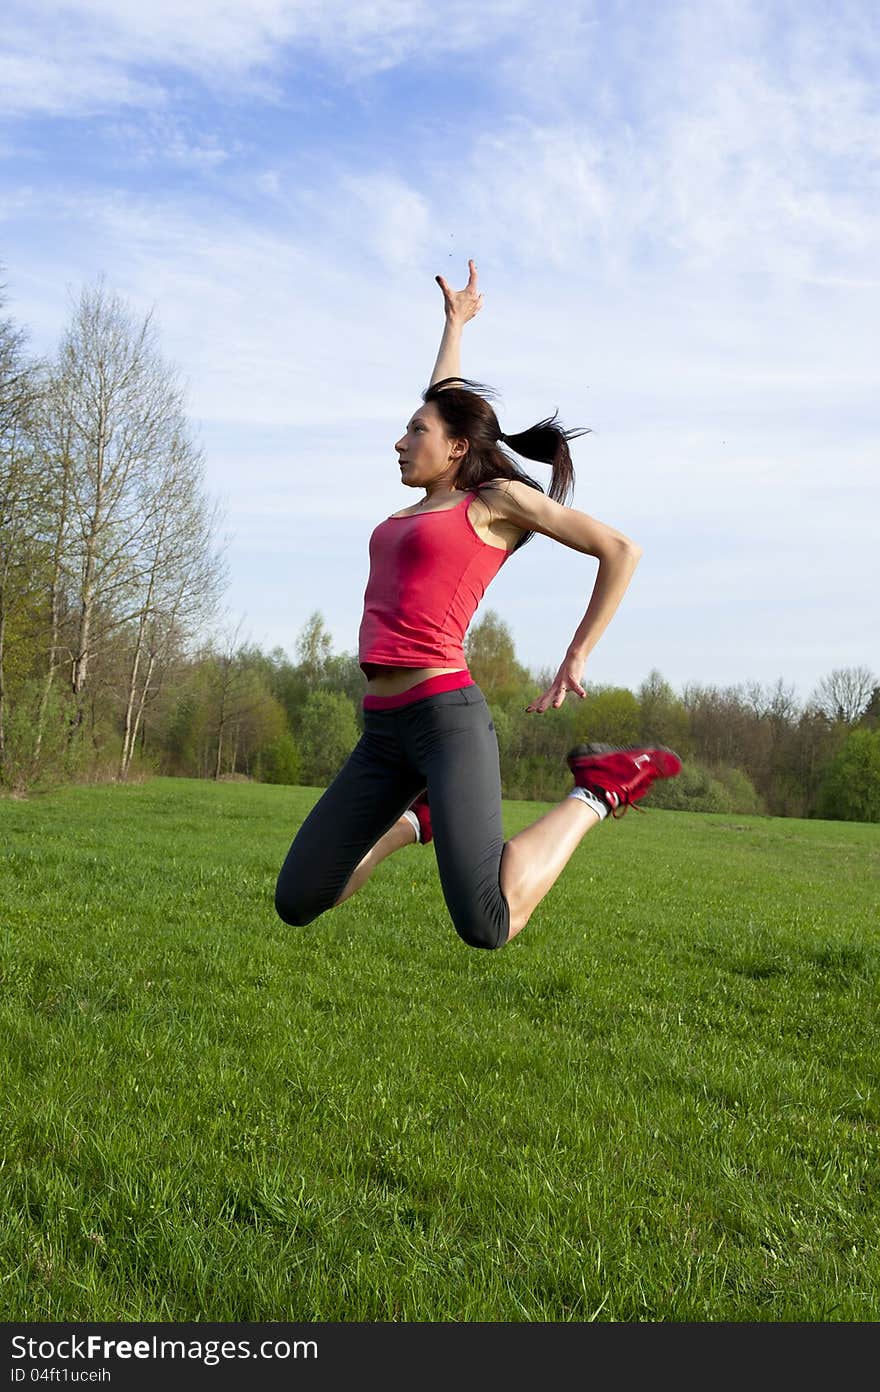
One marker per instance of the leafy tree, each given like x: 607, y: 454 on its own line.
x: 313, y: 648
x: 851, y: 789
x: 801, y: 751
x: 664, y: 717
x: 609, y: 713
x: 279, y: 762
x: 318, y: 669
x: 535, y: 778
x: 327, y: 734
x: 342, y: 673
x: 21, y: 560
x: 744, y: 797
x: 695, y: 789
x: 492, y: 660
x: 25, y: 766
x: 533, y: 749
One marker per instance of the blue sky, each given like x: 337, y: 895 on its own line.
x: 674, y: 211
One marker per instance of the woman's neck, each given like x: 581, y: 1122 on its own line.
x: 437, y: 493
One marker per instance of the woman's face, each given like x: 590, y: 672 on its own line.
x: 426, y: 454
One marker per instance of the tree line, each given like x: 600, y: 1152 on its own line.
x: 111, y: 576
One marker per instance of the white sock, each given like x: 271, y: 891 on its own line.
x: 591, y: 799
x: 414, y: 822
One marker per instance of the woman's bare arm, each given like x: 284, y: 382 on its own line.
x: 460, y: 306
x: 617, y: 555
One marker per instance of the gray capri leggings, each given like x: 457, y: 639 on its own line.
x: 445, y: 742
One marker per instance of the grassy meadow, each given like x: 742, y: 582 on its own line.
x: 660, y: 1103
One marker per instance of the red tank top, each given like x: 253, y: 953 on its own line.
x: 428, y: 573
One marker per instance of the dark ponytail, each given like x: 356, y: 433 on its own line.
x: 467, y: 415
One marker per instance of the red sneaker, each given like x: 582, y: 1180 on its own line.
x: 420, y: 806
x: 621, y: 774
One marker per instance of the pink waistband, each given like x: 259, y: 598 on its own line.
x: 432, y: 686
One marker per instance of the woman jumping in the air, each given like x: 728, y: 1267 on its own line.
x: 426, y: 766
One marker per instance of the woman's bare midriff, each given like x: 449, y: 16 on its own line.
x: 394, y: 680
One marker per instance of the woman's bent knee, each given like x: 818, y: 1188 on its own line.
x: 481, y: 931
x: 293, y: 909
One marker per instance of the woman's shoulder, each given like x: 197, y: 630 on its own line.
x: 506, y: 484
x: 494, y: 515
x: 510, y: 499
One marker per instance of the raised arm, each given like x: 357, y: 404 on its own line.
x: 460, y: 306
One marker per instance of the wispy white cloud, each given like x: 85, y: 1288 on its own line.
x: 734, y: 137
x: 389, y: 218
x: 66, y: 84
x: 93, y: 53
x: 162, y: 138
x: 270, y: 326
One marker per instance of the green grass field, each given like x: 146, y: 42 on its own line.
x: 659, y: 1103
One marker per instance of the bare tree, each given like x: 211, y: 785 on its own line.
x: 729, y: 727
x: 181, y: 580
x: 19, y: 486
x: 777, y: 703
x: 52, y: 523
x: 16, y: 374
x: 135, y: 554
x: 845, y: 694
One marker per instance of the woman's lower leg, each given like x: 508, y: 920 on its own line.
x: 399, y: 835
x: 533, y: 860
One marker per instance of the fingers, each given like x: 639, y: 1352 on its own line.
x: 469, y: 289
x: 559, y: 699
x: 540, y: 704
x: 555, y: 697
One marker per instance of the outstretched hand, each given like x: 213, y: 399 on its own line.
x: 566, y: 680
x: 462, y: 305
